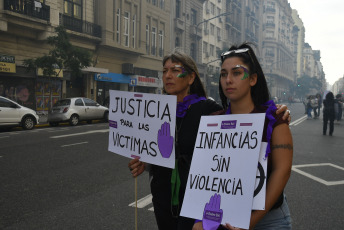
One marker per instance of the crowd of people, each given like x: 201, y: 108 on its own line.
x: 243, y: 89
x: 332, y: 108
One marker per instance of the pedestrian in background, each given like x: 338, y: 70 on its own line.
x: 318, y: 96
x: 328, y: 113
x: 338, y: 106
x: 309, y: 107
x: 314, y: 105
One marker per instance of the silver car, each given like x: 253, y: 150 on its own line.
x: 12, y: 114
x: 76, y: 109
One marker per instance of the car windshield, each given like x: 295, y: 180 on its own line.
x: 62, y: 102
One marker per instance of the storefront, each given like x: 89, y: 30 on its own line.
x: 144, y: 84
x: 16, y: 83
x: 110, y: 81
x: 47, y: 90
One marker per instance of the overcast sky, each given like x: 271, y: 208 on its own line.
x: 323, y: 21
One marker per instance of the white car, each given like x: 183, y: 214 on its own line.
x: 12, y: 114
x: 77, y: 109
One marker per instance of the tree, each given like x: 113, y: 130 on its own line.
x: 63, y: 55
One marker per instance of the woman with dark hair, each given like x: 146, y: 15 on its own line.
x: 243, y: 89
x: 180, y: 78
x: 328, y: 113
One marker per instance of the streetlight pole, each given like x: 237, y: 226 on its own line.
x: 207, y: 20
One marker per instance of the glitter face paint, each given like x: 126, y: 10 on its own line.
x: 246, y: 74
x: 183, y: 74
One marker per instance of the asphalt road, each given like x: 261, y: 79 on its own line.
x: 65, y: 178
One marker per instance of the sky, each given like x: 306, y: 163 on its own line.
x: 323, y: 22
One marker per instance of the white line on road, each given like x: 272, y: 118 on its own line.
x: 328, y: 183
x: 80, y: 143
x: 143, y: 202
x: 83, y: 133
x: 298, y: 121
x: 4, y: 136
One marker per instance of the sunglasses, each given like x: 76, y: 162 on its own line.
x: 225, y: 54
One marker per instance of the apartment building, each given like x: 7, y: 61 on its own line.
x: 127, y: 40
x: 224, y: 24
x: 278, y: 57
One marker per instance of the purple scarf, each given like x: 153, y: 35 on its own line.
x: 269, y: 114
x: 182, y: 107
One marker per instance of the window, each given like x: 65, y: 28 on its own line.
x: 205, y: 47
x: 147, y: 39
x: 78, y: 102
x: 73, y: 8
x: 178, y: 4
x: 162, y: 4
x: 89, y: 102
x: 193, y: 17
x: 134, y: 31
x: 153, y: 41
x: 212, y: 29
x: 193, y: 51
x: 126, y: 28
x: 212, y: 8
x: 211, y: 51
x: 161, y: 43
x: 118, y: 25
x: 155, y: 2
x: 177, y: 42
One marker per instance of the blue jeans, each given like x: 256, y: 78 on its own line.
x: 309, y: 112
x: 278, y: 218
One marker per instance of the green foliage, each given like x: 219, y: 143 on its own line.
x: 305, y: 84
x: 63, y: 55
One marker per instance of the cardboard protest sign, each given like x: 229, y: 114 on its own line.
x: 143, y: 125
x: 260, y: 187
x: 222, y: 176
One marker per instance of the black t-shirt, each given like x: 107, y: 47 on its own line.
x: 186, y: 128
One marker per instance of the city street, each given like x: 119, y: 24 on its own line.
x: 65, y: 178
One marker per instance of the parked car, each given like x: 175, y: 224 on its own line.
x: 76, y: 109
x: 13, y: 115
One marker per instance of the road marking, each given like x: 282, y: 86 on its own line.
x: 4, y: 136
x: 143, y: 202
x: 83, y: 133
x: 328, y: 183
x: 80, y: 143
x: 298, y: 121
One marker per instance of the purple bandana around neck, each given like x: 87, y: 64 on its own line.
x: 268, y: 114
x: 182, y: 107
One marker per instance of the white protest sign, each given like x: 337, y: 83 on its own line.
x: 222, y: 176
x: 260, y: 187
x: 143, y: 125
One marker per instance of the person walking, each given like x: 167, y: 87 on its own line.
x: 328, y: 113
x: 309, y: 107
x: 243, y: 84
x: 338, y: 107
x: 318, y: 96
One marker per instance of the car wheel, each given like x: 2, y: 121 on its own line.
x: 74, y: 120
x: 28, y: 123
x: 106, y: 116
x: 89, y: 122
x: 54, y: 124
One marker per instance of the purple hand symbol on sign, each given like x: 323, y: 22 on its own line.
x: 165, y: 140
x: 212, y: 215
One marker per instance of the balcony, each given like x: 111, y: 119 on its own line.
x: 80, y: 26
x: 179, y: 24
x: 28, y: 8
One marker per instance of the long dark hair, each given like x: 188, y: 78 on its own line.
x: 259, y: 92
x: 190, y: 66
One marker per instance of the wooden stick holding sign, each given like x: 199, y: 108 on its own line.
x: 142, y: 125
